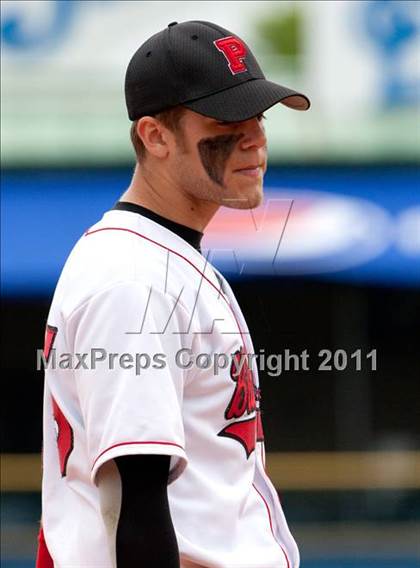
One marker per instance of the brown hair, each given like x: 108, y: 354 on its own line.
x: 170, y: 118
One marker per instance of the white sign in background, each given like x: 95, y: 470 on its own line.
x: 63, y: 65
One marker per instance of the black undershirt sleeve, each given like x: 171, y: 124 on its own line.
x: 145, y: 533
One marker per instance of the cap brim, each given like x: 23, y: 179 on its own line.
x: 247, y: 100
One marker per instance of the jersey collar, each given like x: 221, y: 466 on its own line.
x: 190, y: 235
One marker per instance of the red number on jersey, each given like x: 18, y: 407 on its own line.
x: 50, y: 334
x: 64, y: 437
x: 64, y: 430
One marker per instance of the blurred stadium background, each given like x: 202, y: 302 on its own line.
x: 343, y: 445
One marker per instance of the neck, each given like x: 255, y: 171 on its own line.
x: 159, y: 193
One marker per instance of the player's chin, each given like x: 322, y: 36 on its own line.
x: 243, y: 200
x: 247, y: 194
x: 250, y: 197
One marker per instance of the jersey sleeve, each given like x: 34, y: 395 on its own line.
x: 129, y: 385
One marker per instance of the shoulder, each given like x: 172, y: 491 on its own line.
x: 125, y: 247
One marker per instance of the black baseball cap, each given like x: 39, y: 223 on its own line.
x: 205, y: 68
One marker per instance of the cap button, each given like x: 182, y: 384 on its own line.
x: 172, y: 24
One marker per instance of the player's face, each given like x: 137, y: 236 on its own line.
x: 223, y: 163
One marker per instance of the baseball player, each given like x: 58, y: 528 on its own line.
x: 153, y: 450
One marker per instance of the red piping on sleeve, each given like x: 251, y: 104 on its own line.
x: 133, y: 444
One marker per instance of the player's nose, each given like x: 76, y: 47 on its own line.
x: 254, y: 134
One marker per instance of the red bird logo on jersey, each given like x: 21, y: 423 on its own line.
x: 243, y: 402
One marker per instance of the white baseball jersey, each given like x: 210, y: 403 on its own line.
x: 137, y: 316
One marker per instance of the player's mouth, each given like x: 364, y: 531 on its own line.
x: 251, y: 171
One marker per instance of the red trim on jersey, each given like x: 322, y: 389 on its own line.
x: 43, y: 557
x: 135, y: 443
x: 219, y: 293
x: 271, y: 524
x: 174, y: 252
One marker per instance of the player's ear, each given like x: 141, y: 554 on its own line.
x: 153, y: 135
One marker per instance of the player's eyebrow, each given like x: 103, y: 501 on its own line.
x: 260, y: 116
x: 226, y: 122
